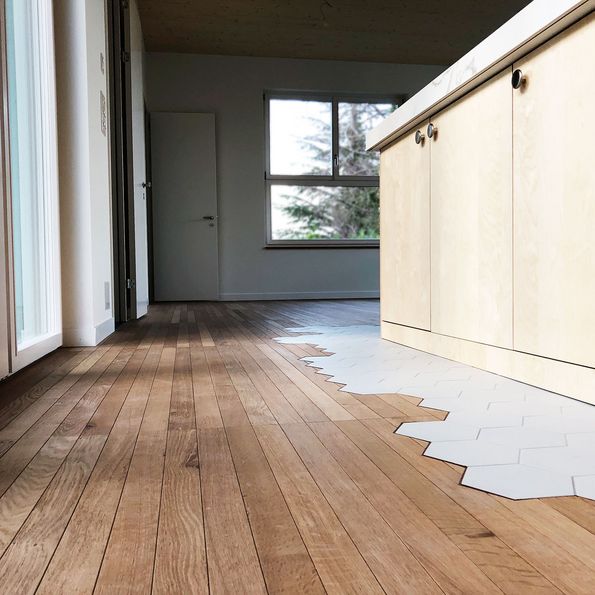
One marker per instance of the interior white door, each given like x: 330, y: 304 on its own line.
x: 139, y: 169
x: 185, y: 249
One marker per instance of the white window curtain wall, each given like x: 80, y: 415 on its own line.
x: 31, y: 185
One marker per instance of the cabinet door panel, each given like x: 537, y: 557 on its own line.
x: 554, y: 199
x: 471, y: 190
x: 405, y: 233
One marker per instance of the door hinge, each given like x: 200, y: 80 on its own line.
x: 125, y: 56
x: 130, y: 283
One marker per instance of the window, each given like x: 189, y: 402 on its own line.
x: 30, y: 140
x: 322, y: 184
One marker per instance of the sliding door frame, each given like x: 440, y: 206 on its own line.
x: 5, y: 324
x: 19, y: 358
x: 120, y: 94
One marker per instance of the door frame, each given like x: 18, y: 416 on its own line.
x: 120, y: 96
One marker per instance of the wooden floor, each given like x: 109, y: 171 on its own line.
x: 190, y: 453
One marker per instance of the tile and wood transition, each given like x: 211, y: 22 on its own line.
x: 487, y: 189
x: 191, y: 453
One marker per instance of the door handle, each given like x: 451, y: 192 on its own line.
x: 209, y: 217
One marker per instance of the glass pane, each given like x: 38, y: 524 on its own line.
x: 355, y: 120
x: 324, y: 213
x: 300, y: 137
x: 26, y: 161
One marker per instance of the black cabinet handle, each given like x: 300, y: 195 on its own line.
x: 518, y: 79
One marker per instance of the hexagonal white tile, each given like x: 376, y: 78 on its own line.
x: 472, y: 452
x: 586, y: 441
x: 485, y: 419
x: 585, y: 486
x: 517, y: 440
x: 437, y: 431
x: 568, y: 460
x: 522, y: 437
x: 518, y: 481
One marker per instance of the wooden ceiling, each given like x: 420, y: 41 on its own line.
x: 399, y: 31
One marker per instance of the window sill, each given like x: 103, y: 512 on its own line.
x: 313, y: 244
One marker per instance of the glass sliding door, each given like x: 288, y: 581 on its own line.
x: 32, y: 180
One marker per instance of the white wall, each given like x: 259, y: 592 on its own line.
x: 85, y: 204
x: 232, y: 88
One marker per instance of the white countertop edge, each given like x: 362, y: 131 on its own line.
x: 537, y: 22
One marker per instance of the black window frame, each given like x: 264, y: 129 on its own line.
x: 335, y: 179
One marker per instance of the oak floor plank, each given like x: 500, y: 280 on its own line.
x: 191, y: 453
x: 503, y: 565
x: 27, y: 446
x: 572, y: 538
x: 409, y: 406
x: 337, y: 560
x: 305, y: 407
x: 129, y: 557
x: 20, y: 498
x: 579, y: 510
x: 254, y: 404
x: 553, y: 562
x: 29, y: 378
x: 21, y: 401
x: 38, y: 537
x: 180, y: 559
x: 357, y: 408
x: 283, y: 556
x: 89, y: 528
x: 326, y: 404
x: 380, y: 406
x: 233, y: 563
x: 442, y: 559
x: 396, y: 569
x: 17, y: 427
x: 279, y: 406
x: 205, y: 401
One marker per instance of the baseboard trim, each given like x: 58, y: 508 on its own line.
x: 571, y: 380
x: 300, y: 295
x: 104, y: 330
x: 88, y: 337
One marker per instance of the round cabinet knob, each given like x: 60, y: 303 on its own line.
x: 518, y: 79
x: 432, y: 130
x: 419, y: 137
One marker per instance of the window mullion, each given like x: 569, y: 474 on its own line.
x: 335, y: 136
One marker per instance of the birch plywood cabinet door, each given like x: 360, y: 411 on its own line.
x: 471, y: 189
x: 554, y: 199
x: 405, y: 231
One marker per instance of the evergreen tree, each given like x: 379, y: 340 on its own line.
x: 338, y: 212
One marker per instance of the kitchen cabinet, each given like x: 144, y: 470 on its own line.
x: 405, y: 229
x: 471, y: 216
x: 554, y: 198
x: 488, y: 227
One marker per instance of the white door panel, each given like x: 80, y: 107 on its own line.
x: 184, y: 200
x: 139, y: 165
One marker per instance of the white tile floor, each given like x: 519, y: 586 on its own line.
x: 516, y: 440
